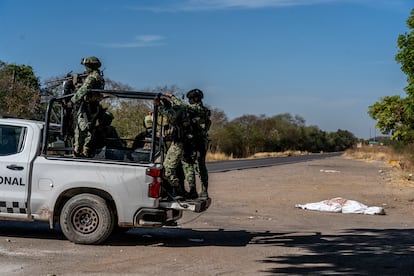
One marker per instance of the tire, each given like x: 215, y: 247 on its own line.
x: 86, y: 219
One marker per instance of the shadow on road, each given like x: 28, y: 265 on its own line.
x: 36, y: 230
x: 182, y: 237
x: 165, y: 236
x: 350, y: 252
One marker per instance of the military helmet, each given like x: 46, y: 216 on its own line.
x: 106, y: 118
x: 195, y: 93
x: 109, y: 115
x: 92, y: 61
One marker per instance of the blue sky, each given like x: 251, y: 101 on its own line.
x: 324, y: 60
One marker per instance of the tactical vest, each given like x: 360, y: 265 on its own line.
x: 199, y: 116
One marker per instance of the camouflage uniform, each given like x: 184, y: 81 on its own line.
x: 148, y: 122
x: 106, y: 135
x: 196, y: 145
x: 88, y: 108
x: 176, y: 118
x: 139, y: 140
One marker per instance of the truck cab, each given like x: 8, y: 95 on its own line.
x: 17, y: 150
x: 117, y: 187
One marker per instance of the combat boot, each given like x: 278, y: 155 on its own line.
x: 177, y: 193
x: 76, y: 152
x: 166, y: 190
x: 87, y: 153
x: 204, y: 194
x: 192, y: 194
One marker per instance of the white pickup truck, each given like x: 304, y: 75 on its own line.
x: 41, y: 180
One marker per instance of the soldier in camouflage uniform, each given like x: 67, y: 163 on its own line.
x: 87, y: 108
x: 139, y: 140
x: 148, y: 120
x: 196, y: 145
x: 106, y: 134
x: 175, y: 114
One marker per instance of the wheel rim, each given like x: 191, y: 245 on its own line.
x: 85, y: 220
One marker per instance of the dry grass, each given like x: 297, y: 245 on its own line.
x: 221, y: 156
x: 379, y: 153
x: 278, y: 154
x: 218, y: 156
x: 401, y: 163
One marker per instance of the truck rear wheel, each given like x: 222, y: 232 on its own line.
x: 86, y: 219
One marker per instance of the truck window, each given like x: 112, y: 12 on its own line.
x: 11, y: 139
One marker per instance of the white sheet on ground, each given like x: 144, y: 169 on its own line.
x: 342, y: 205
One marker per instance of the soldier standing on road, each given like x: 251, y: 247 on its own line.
x: 87, y: 108
x: 196, y: 146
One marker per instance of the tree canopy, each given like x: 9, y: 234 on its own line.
x: 250, y: 134
x: 394, y: 114
x: 19, y: 91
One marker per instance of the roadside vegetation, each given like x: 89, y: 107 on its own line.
x: 399, y: 158
x: 395, y: 114
x: 249, y: 135
x: 221, y: 156
x: 22, y: 96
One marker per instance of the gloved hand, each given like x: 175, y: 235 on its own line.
x: 157, y: 101
x: 166, y: 102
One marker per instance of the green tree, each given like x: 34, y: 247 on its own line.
x: 341, y: 140
x: 394, y: 114
x: 232, y: 140
x: 405, y: 55
x: 313, y: 139
x: 390, y: 115
x: 251, y: 136
x: 289, y: 130
x: 21, y: 74
x: 19, y: 92
x: 218, y: 122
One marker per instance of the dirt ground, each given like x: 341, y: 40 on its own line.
x: 252, y: 228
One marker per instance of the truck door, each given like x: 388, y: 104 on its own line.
x: 14, y: 169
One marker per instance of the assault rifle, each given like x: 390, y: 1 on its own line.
x: 69, y: 76
x: 70, y: 82
x: 64, y: 87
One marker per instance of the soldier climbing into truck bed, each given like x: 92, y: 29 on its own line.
x: 189, y: 141
x: 195, y: 150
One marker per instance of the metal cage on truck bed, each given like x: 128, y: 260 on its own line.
x: 56, y: 144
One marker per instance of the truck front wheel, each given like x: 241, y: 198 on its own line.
x: 86, y: 219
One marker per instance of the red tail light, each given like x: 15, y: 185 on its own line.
x: 155, y: 187
x: 154, y: 172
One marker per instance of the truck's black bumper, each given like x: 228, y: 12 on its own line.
x: 195, y: 205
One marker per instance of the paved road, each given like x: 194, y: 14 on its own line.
x: 252, y: 228
x: 230, y: 165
